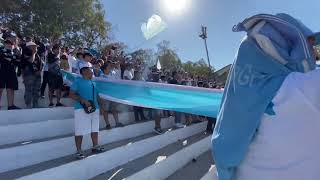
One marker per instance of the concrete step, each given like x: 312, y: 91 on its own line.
x: 34, y: 131
x: 211, y: 174
x: 28, y: 132
x: 139, y: 164
x: 35, y: 115
x: 173, y: 163
x: 34, y: 153
x: 14, y: 174
x: 97, y: 164
x: 195, y: 169
x: 19, y: 98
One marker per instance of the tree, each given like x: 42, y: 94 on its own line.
x: 146, y: 56
x: 199, y: 68
x: 121, y: 47
x: 202, y: 69
x: 76, y: 21
x: 189, y: 67
x: 168, y: 57
x: 94, y: 29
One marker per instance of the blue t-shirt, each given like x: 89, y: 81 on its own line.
x: 84, y: 88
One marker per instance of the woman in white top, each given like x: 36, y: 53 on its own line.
x: 129, y: 72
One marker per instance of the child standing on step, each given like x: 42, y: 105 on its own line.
x: 86, y: 114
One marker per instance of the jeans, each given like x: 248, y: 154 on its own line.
x: 32, y: 85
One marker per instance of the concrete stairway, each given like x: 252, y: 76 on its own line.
x: 38, y: 144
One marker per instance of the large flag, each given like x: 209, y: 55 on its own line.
x: 198, y: 101
x: 158, y: 64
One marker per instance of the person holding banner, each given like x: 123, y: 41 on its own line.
x: 86, y: 115
x: 110, y: 73
x: 268, y: 125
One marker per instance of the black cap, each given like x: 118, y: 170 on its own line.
x: 79, y: 54
x: 7, y: 41
x: 56, y: 46
x: 87, y: 54
x: 63, y: 56
x: 9, y: 35
x: 83, y: 68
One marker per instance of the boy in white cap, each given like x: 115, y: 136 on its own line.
x: 85, y: 92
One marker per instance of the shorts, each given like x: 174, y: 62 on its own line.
x: 110, y: 106
x: 8, y: 78
x: 86, y: 123
x: 55, y: 82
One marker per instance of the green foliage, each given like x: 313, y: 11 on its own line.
x: 170, y: 60
x: 168, y: 57
x: 146, y: 56
x: 76, y: 21
x: 121, y: 47
x: 199, y: 68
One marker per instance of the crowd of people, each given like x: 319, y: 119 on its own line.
x: 40, y: 62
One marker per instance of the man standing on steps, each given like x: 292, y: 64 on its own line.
x: 8, y: 75
x: 109, y: 73
x: 156, y: 113
x: 54, y: 75
x: 177, y: 115
x: 45, y: 78
x: 31, y: 66
x: 84, y: 91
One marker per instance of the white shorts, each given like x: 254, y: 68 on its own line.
x: 86, y: 123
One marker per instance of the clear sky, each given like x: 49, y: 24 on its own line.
x: 184, y: 26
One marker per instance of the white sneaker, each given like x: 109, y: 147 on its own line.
x: 179, y: 125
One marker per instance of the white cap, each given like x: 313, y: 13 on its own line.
x: 31, y: 44
x: 84, y: 65
x: 71, y: 50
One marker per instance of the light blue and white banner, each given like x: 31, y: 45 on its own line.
x: 193, y: 100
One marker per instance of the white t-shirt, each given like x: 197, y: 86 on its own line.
x: 114, y: 75
x: 81, y: 63
x: 287, y: 145
x: 72, y: 62
x: 189, y: 83
x: 129, y: 74
x: 45, y: 67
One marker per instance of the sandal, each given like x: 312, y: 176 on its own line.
x: 80, y: 155
x: 97, y: 150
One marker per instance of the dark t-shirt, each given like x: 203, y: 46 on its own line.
x: 8, y: 59
x: 54, y: 64
x: 173, y: 81
x: 41, y: 49
x: 28, y: 67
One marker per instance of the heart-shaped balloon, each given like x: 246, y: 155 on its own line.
x: 154, y: 26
